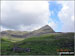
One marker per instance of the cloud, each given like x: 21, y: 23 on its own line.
x: 53, y: 25
x: 24, y: 15
x: 31, y: 15
x: 4, y: 29
x: 66, y: 15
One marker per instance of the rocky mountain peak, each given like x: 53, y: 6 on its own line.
x: 47, y: 28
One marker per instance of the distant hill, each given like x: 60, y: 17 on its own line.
x: 43, y: 30
x: 23, y: 34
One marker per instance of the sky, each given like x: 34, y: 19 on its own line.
x: 32, y: 15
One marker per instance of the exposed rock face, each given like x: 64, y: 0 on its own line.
x: 44, y: 30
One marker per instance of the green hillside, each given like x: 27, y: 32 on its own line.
x: 43, y: 45
x: 12, y: 39
x: 5, y: 46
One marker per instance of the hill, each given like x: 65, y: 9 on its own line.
x: 43, y: 45
x: 44, y: 41
x: 20, y: 35
x: 23, y: 34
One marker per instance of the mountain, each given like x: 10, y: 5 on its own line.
x: 43, y: 30
x: 44, y: 41
x: 46, y: 29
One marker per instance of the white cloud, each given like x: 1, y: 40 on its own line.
x: 24, y: 15
x: 31, y: 15
x: 66, y: 16
x: 4, y: 29
x: 53, y: 25
x: 72, y: 17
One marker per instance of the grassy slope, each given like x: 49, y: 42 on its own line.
x: 43, y: 45
x: 12, y: 39
x: 8, y: 36
x: 5, y: 46
x: 15, y: 32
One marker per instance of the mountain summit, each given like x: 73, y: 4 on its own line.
x: 47, y: 28
x: 43, y: 30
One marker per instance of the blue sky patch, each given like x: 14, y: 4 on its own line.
x: 54, y: 8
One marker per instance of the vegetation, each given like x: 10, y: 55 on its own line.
x: 12, y: 39
x: 41, y: 45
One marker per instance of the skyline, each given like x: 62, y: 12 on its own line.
x: 31, y: 15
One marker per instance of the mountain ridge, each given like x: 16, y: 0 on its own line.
x: 43, y: 30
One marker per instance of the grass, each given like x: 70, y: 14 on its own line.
x: 12, y: 39
x: 42, y: 45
